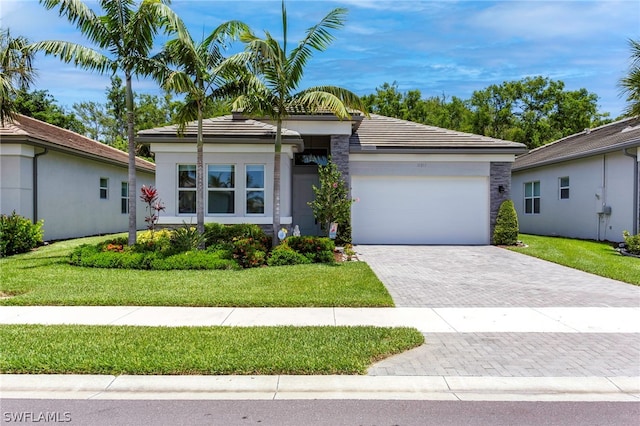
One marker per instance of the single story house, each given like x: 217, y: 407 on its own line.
x: 77, y: 185
x: 582, y: 186
x: 414, y: 184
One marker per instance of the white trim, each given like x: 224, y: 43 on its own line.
x: 17, y: 149
x: 239, y: 148
x: 383, y: 157
x: 230, y: 220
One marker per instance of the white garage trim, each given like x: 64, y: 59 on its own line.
x: 420, y: 209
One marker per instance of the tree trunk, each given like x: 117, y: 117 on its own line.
x: 276, y: 183
x: 133, y: 226
x: 200, y: 177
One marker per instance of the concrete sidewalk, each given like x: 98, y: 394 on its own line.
x: 426, y: 320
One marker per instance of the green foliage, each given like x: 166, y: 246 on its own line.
x: 632, y: 242
x: 195, y: 259
x: 249, y: 252
x: 332, y: 202
x: 630, y: 84
x: 222, y: 235
x: 316, y: 249
x: 16, y: 71
x: 18, y: 234
x: 186, y: 238
x: 285, y: 255
x: 41, y: 105
x: 158, y: 241
x: 506, y: 229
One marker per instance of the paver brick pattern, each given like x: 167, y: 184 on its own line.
x: 487, y: 276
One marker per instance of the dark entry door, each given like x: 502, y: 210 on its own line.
x: 302, y: 194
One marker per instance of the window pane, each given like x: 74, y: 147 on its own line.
x: 564, y: 193
x: 124, y: 189
x: 564, y: 182
x: 221, y: 202
x: 124, y: 205
x: 187, y: 176
x: 255, y: 202
x: 255, y: 176
x: 536, y: 189
x: 186, y: 201
x: 527, y: 206
x: 528, y: 189
x: 221, y: 176
x: 536, y: 205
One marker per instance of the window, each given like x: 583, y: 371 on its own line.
x: 104, y: 188
x: 255, y: 188
x: 221, y: 188
x: 564, y: 188
x: 124, y: 198
x: 186, y: 188
x: 532, y: 197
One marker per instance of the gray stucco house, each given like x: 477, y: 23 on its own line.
x: 582, y: 186
x: 76, y: 184
x: 414, y: 184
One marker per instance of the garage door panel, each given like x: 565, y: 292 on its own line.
x: 420, y: 210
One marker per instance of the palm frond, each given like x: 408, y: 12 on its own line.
x: 81, y: 15
x: 75, y: 53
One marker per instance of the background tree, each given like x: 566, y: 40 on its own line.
x: 630, y: 84
x: 16, y: 71
x: 197, y: 70
x: 124, y: 38
x: 93, y: 117
x: 274, y: 78
x: 41, y: 105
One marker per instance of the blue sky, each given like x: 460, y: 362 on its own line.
x: 441, y: 47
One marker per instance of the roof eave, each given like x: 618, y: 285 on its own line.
x: 447, y: 150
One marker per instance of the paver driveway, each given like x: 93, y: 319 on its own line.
x: 485, y: 277
x: 488, y: 276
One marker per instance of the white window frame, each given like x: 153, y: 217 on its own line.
x: 533, y: 197
x: 104, y: 188
x: 262, y: 189
x: 562, y: 188
x: 185, y: 189
x: 124, y: 197
x: 232, y: 189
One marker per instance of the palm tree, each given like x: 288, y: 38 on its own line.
x: 630, y: 85
x: 197, y: 70
x: 274, y: 78
x: 125, y: 35
x: 16, y: 71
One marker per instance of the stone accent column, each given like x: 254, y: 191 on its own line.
x: 340, y: 155
x: 500, y: 175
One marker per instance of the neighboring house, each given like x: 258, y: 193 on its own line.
x: 414, y: 184
x: 77, y: 185
x: 583, y: 186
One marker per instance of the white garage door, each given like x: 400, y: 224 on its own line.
x: 420, y: 210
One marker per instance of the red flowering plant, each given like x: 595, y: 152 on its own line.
x: 149, y: 195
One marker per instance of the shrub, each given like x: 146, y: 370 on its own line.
x: 186, y: 238
x: 316, y: 249
x: 249, y: 252
x: 194, y: 260
x: 506, y: 230
x: 18, y: 234
x: 155, y: 241
x: 219, y: 234
x: 285, y: 255
x: 632, y: 242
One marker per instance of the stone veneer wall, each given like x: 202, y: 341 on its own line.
x: 340, y: 156
x: 500, y: 174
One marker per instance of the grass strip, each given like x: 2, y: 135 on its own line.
x: 44, y: 277
x: 590, y: 256
x: 66, y: 349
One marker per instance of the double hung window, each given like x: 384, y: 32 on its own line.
x: 532, y: 197
x: 255, y: 188
x: 186, y: 188
x: 221, y: 183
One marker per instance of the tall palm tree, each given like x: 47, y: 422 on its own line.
x: 273, y: 82
x: 124, y: 38
x: 16, y: 71
x: 197, y: 69
x: 630, y: 85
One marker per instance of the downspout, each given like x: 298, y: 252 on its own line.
x: 35, y: 183
x: 635, y: 189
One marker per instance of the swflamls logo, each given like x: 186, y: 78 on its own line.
x: 36, y: 417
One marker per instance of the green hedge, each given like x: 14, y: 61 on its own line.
x: 316, y: 249
x: 18, y: 234
x: 506, y: 230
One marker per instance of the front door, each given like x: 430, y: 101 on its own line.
x: 302, y: 194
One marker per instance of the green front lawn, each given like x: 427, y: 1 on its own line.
x: 44, y: 277
x: 39, y: 349
x: 589, y: 256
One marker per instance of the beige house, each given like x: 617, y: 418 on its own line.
x: 77, y: 185
x: 414, y: 184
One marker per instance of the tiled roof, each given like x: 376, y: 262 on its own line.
x: 25, y: 129
x: 386, y: 133
x: 225, y: 127
x: 610, y: 137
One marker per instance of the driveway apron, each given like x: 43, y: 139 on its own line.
x: 490, y: 277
